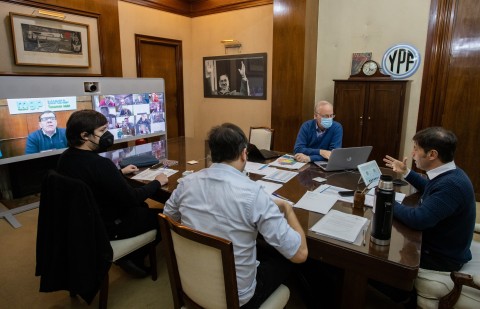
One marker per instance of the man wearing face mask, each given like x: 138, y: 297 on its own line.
x: 319, y: 136
x: 121, y: 206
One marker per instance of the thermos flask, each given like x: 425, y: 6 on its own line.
x: 383, y: 216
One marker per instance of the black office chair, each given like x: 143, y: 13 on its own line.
x: 74, y: 252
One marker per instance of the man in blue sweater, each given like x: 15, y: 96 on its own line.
x: 446, y: 213
x: 48, y: 136
x: 317, y: 137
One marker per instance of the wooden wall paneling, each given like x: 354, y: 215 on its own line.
x: 293, y: 68
x: 451, y: 76
x: 108, y: 25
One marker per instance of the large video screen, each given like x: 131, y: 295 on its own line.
x: 132, y: 114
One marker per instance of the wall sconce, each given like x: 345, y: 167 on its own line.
x: 230, y: 43
x: 50, y: 14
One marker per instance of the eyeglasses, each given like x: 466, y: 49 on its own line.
x: 48, y: 118
x: 326, y: 116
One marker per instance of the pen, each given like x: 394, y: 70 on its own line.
x: 325, y: 189
x: 281, y: 197
x: 264, y: 166
x: 364, y: 236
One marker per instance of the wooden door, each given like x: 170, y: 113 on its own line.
x: 158, y: 57
x: 451, y: 77
x: 383, y: 118
x: 349, y: 107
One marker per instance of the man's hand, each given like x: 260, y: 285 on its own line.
x: 396, y: 165
x: 283, y: 206
x: 242, y: 71
x: 300, y: 157
x: 162, y: 178
x: 325, y: 153
x: 129, y: 169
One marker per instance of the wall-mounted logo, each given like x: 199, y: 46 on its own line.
x: 401, y: 61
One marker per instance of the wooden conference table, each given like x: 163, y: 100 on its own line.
x: 396, y: 265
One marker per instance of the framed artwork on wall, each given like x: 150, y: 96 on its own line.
x: 42, y: 41
x: 236, y: 76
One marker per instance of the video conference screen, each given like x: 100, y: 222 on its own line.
x: 35, y: 127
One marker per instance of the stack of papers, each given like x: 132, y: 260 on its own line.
x: 268, y: 186
x: 259, y: 168
x: 150, y: 174
x: 280, y: 176
x: 340, y: 226
x: 316, y: 202
x: 287, y: 161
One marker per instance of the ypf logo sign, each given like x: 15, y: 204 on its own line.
x: 401, y: 61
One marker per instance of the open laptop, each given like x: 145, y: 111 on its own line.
x: 261, y: 154
x: 345, y: 158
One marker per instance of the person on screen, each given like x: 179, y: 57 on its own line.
x: 446, y: 213
x: 48, y: 137
x: 319, y: 136
x: 143, y: 124
x: 121, y: 206
x: 241, y: 209
x: 108, y: 100
x: 224, y: 83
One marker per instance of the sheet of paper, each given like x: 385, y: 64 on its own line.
x: 340, y: 226
x: 288, y: 162
x: 268, y: 186
x: 149, y: 174
x: 316, y: 202
x: 280, y: 176
x: 370, y: 197
x: 259, y: 168
x: 333, y: 190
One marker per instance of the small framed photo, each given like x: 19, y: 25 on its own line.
x: 41, y: 41
x: 236, y: 76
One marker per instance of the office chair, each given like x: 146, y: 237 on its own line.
x: 73, y: 249
x: 262, y: 137
x: 438, y: 289
x: 202, y: 272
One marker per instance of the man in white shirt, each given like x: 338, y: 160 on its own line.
x: 222, y: 201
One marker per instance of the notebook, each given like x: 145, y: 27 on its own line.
x: 345, y: 158
x: 261, y: 154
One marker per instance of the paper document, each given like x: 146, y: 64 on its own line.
x: 268, y: 186
x: 316, y: 202
x: 287, y: 161
x: 340, y: 226
x: 280, y: 176
x: 259, y: 168
x: 370, y: 197
x: 149, y: 174
x: 333, y: 190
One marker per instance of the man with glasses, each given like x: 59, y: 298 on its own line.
x: 317, y: 137
x: 48, y: 136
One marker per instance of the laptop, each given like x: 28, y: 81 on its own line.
x: 345, y: 158
x: 261, y: 154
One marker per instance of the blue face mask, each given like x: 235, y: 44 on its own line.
x: 327, y: 122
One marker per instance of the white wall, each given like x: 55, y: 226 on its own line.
x: 349, y: 26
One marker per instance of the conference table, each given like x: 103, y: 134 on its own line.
x: 396, y: 264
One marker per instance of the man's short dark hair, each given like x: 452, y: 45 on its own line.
x: 440, y: 139
x: 86, y: 120
x: 226, y: 142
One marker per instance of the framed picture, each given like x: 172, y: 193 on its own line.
x: 41, y: 41
x: 236, y: 76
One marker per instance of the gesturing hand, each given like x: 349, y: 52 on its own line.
x: 396, y: 165
x: 242, y: 71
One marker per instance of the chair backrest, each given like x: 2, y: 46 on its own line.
x: 262, y: 137
x: 201, y: 267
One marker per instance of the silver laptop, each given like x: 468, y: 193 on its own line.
x: 345, y: 158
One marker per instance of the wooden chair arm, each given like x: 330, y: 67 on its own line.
x: 459, y: 280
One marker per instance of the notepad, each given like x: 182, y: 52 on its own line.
x: 340, y: 226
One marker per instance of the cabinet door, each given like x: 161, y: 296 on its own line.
x: 383, y: 118
x: 349, y: 106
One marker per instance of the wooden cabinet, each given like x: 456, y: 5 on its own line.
x: 371, y: 113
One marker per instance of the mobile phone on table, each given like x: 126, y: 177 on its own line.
x: 346, y: 193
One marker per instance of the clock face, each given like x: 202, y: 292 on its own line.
x: 369, y: 68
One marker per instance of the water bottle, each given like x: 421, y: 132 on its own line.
x: 383, y: 216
